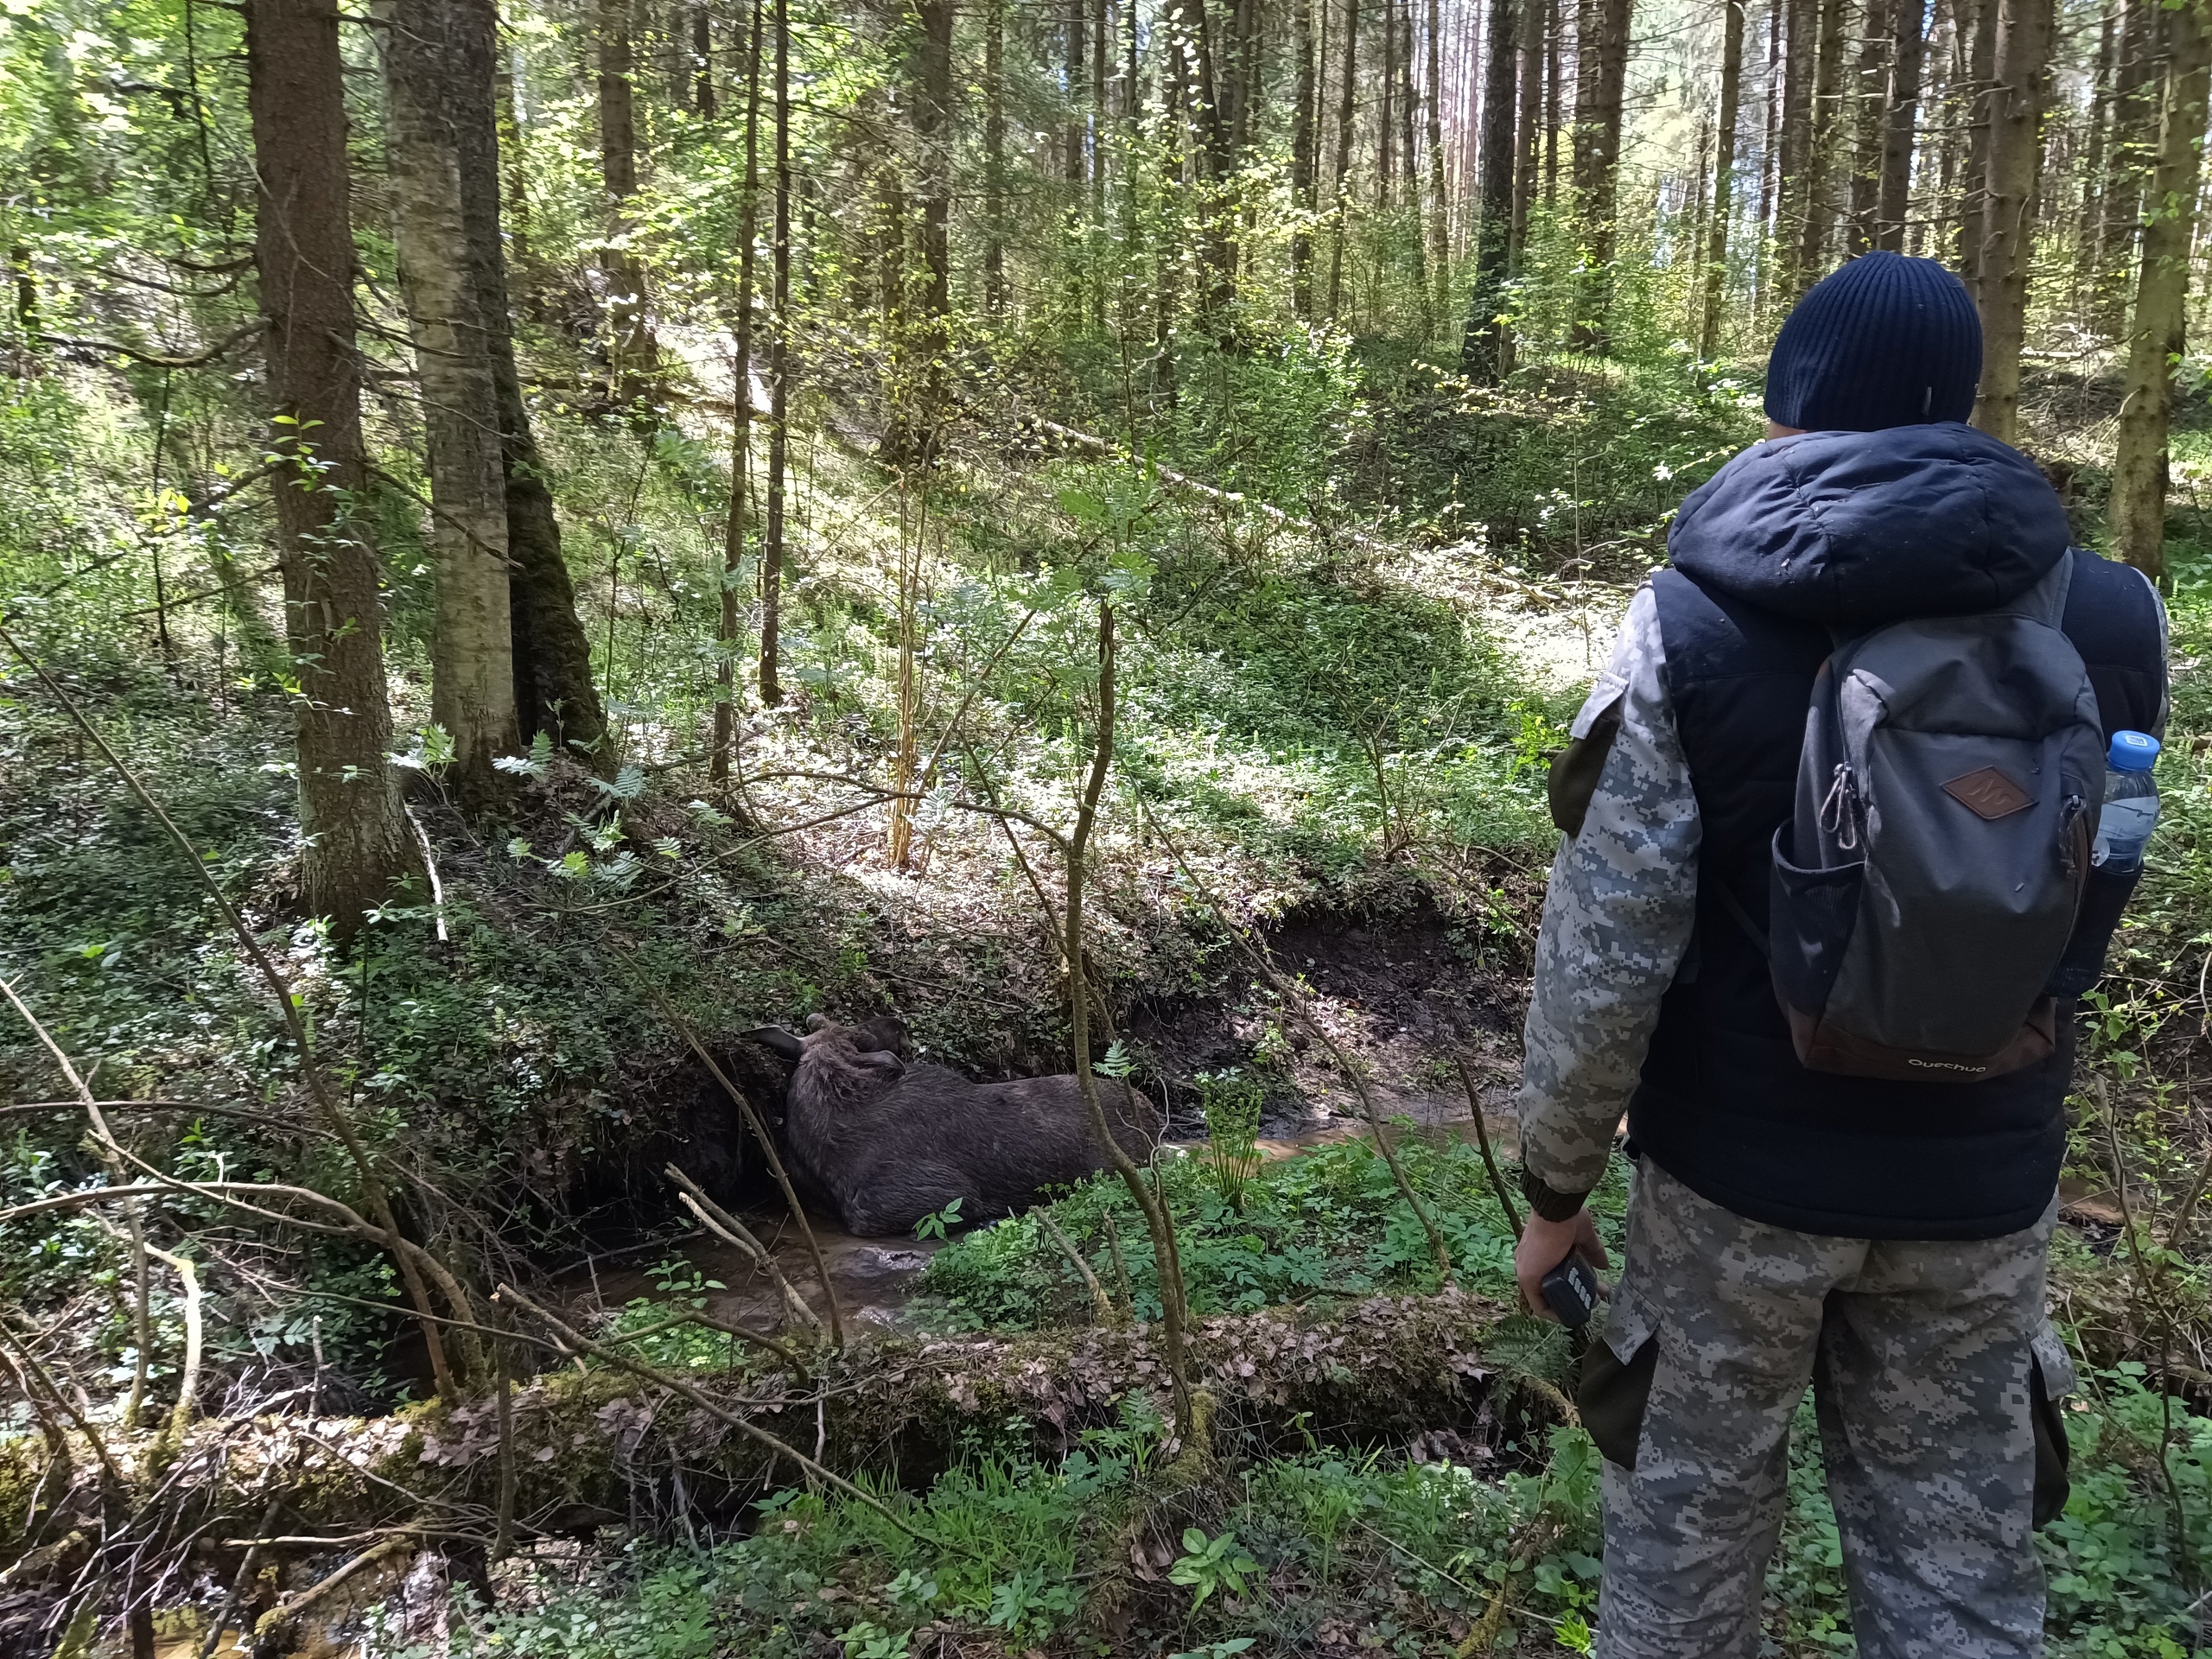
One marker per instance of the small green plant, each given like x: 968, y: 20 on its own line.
x: 1211, y: 1564
x: 939, y: 1223
x: 1229, y: 1649
x: 866, y: 1641
x: 1232, y: 1102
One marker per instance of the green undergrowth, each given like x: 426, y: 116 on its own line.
x: 1328, y: 1223
x: 1099, y: 1553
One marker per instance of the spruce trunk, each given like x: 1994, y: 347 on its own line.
x: 354, y: 838
x: 2024, y: 28
x: 1482, y: 355
x: 1906, y: 52
x: 2160, y: 331
x: 1303, y: 139
x: 1724, y: 178
x: 772, y: 531
x: 740, y: 443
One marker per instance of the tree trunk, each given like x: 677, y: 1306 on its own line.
x: 303, y: 250
x: 1973, y: 213
x: 1408, y: 102
x: 771, y: 536
x: 1906, y: 52
x: 553, y: 687
x: 1385, y: 127
x: 1724, y: 178
x: 2139, y: 476
x: 1870, y: 87
x: 2135, y: 112
x: 1102, y: 57
x: 426, y: 57
x: 1482, y: 358
x: 1078, y: 60
x: 1340, y: 208
x: 1217, y: 162
x: 631, y: 352
x: 1439, y: 201
x: 703, y: 59
x: 995, y: 157
x: 1597, y: 165
x: 1303, y: 140
x: 920, y: 344
x: 2090, y: 222
x: 1555, y: 50
x: 1791, y: 217
x: 1529, y: 118
x: 1825, y: 115
x: 1771, y: 173
x: 729, y: 622
x: 2024, y: 30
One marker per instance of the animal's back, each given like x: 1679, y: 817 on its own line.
x: 1008, y: 1139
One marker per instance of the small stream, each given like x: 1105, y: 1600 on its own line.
x: 876, y: 1279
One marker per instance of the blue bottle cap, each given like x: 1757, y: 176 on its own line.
x: 2132, y: 752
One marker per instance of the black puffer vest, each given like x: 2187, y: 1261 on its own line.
x: 1914, y: 521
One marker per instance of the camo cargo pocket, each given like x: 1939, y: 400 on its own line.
x: 2051, y: 1379
x: 1616, y: 1373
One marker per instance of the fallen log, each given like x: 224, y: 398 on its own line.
x: 603, y: 1446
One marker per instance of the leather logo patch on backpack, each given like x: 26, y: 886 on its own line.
x: 1988, y: 793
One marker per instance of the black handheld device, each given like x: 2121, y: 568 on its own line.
x: 1571, y: 1292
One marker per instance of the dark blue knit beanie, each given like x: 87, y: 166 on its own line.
x: 1883, y: 341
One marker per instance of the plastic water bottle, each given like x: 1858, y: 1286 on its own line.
x: 2131, y: 810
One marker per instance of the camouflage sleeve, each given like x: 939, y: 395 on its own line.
x: 1617, y: 920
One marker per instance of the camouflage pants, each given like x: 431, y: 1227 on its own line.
x: 1918, y: 1354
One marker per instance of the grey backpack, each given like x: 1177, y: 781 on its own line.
x: 1927, y: 884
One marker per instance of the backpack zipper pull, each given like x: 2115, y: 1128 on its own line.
x: 1839, y: 812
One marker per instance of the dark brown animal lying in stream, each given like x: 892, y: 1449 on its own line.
x: 885, y: 1142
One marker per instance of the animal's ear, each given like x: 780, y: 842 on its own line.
x: 816, y: 1022
x: 885, y: 1031
x: 775, y: 1038
x: 881, y: 1060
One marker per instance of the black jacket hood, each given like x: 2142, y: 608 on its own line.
x: 1854, y: 529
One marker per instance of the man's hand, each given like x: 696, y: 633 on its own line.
x: 1544, y: 1245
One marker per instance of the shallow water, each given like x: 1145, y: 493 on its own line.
x: 876, y: 1279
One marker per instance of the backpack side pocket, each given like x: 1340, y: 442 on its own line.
x: 1811, y: 917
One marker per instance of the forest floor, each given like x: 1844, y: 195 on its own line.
x: 1331, y: 749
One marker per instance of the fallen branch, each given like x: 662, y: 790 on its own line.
x: 761, y: 1135
x: 272, y: 1623
x: 1099, y: 1300
x: 156, y: 359
x: 188, y: 1380
x: 731, y: 1232
x: 1482, y: 1139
